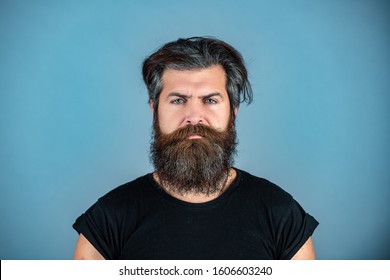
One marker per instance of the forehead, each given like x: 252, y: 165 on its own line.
x: 213, y: 77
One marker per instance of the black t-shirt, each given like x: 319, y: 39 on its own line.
x: 253, y: 219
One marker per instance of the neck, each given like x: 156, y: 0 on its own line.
x: 193, y: 197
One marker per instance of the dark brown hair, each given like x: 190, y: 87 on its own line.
x: 197, y: 53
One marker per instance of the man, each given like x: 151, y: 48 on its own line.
x: 195, y: 205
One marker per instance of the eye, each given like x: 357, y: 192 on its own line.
x: 210, y: 101
x: 178, y: 101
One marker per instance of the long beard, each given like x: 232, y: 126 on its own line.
x: 196, y: 166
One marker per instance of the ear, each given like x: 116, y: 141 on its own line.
x: 233, y: 118
x: 151, y: 105
x: 235, y: 111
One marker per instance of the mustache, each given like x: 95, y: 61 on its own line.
x: 183, y: 133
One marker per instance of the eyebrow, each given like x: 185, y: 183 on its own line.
x: 181, y: 95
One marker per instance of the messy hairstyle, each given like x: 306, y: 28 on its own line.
x: 197, y: 53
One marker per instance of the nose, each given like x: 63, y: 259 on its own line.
x: 195, y: 114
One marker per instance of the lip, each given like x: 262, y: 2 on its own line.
x: 194, y: 136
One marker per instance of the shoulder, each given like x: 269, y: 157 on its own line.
x: 265, y: 192
x: 262, y: 186
x: 114, y: 214
x: 128, y: 193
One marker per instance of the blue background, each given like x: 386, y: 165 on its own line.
x: 75, y: 122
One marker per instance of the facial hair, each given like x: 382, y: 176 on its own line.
x: 196, y: 166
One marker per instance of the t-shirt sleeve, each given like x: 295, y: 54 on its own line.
x: 94, y: 224
x: 296, y: 228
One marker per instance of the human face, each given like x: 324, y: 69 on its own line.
x: 193, y: 97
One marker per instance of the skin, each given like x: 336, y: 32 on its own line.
x: 85, y: 250
x: 191, y: 97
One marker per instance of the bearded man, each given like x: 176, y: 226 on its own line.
x: 195, y: 205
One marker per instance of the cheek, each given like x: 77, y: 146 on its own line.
x: 167, y: 122
x: 222, y: 117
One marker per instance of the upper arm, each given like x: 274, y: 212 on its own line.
x: 85, y: 250
x: 306, y: 252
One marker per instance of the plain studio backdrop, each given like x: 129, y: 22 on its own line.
x: 75, y: 122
